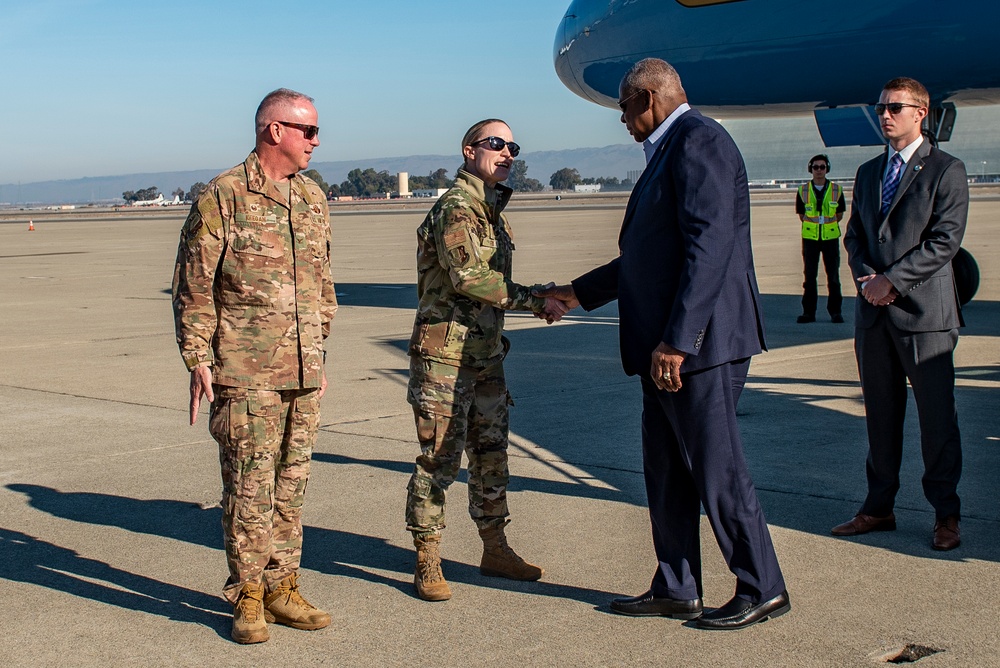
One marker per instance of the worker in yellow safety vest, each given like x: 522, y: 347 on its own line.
x: 820, y: 205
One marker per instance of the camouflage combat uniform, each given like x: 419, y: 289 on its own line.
x: 457, y: 387
x: 253, y: 298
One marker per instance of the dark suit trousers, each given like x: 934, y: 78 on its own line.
x: 887, y: 357
x: 811, y: 252
x: 693, y: 456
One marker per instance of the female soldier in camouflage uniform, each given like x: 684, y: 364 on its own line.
x: 457, y: 385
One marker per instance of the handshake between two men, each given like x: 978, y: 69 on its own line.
x: 559, y: 300
x: 665, y: 362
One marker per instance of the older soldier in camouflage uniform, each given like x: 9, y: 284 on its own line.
x: 253, y: 300
x: 457, y: 385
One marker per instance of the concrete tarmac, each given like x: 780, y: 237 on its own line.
x: 110, y: 545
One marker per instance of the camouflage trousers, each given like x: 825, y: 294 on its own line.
x: 458, y: 409
x: 265, y: 441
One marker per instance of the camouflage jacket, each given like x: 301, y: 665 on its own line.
x: 464, y: 249
x: 252, y: 291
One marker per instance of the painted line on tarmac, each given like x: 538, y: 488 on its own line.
x: 84, y: 396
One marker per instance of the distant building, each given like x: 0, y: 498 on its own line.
x: 633, y: 175
x: 588, y: 188
x: 430, y: 192
x: 404, y: 184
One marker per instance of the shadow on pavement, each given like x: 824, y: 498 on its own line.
x: 807, y: 459
x: 329, y: 551
x: 381, y: 295
x: 35, y: 561
x: 518, y: 483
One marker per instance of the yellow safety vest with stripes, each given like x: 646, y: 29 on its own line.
x: 820, y: 222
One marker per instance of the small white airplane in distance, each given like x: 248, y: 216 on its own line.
x: 150, y: 202
x: 159, y: 201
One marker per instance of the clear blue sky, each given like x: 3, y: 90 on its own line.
x: 94, y: 87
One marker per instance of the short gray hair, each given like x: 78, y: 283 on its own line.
x: 653, y: 74
x: 272, y: 102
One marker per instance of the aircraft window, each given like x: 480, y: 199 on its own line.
x: 704, y: 3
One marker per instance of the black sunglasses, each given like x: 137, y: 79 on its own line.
x: 497, y: 144
x: 893, y: 107
x: 308, y: 131
x: 818, y: 166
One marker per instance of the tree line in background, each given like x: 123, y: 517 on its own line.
x: 149, y: 193
x: 568, y: 177
x: 152, y: 192
x: 369, y: 183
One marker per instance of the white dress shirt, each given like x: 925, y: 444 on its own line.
x: 905, y: 154
x: 652, y: 142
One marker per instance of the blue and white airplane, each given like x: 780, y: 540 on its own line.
x: 779, y: 57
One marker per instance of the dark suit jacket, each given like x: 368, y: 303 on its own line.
x: 685, y: 272
x: 914, y: 244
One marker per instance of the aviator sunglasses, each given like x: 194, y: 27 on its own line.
x: 308, y: 131
x: 893, y: 107
x: 819, y: 166
x: 497, y: 144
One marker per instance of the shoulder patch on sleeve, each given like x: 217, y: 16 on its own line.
x: 459, y: 247
x: 193, y: 222
x: 459, y: 256
x: 456, y: 238
x: 194, y: 227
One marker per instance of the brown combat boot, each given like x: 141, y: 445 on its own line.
x: 499, y: 560
x: 285, y: 605
x: 428, y: 578
x: 248, y: 615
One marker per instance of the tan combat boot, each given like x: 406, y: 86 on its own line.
x: 285, y: 605
x: 428, y: 578
x: 248, y: 615
x: 499, y: 560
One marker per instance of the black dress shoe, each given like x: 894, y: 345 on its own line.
x: 647, y: 605
x: 740, y: 613
x: 802, y: 319
x: 837, y: 318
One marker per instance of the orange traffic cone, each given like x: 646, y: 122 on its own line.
x: 31, y: 226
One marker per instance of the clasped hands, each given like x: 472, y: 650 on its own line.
x: 878, y: 290
x: 559, y: 300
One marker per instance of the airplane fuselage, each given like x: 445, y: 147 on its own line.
x: 769, y: 57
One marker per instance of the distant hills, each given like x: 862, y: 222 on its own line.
x: 614, y: 160
x: 776, y: 148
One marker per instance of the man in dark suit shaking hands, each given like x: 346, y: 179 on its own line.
x: 690, y: 320
x: 907, y: 221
